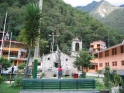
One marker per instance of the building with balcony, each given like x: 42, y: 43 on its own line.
x: 98, y: 45
x: 13, y: 50
x: 112, y: 57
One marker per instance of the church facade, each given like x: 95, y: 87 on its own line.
x: 51, y: 61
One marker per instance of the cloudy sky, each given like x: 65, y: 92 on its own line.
x: 85, y: 2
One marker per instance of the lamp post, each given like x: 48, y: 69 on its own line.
x: 36, y: 52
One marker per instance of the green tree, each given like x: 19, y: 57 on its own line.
x: 5, y: 62
x: 107, y: 79
x: 83, y: 61
x: 21, y: 66
x: 31, y: 29
x: 99, y: 72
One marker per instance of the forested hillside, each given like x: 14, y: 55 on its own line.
x: 63, y: 20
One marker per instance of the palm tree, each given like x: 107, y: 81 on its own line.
x: 30, y: 33
x: 83, y: 61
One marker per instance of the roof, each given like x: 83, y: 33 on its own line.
x: 12, y: 41
x: 56, y: 53
x: 93, y: 63
x: 111, y: 47
x: 97, y: 41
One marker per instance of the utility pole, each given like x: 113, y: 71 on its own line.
x: 53, y: 36
x: 9, y: 46
x: 3, y: 35
x: 108, y: 40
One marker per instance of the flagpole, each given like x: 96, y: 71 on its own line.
x: 3, y: 35
x: 9, y: 45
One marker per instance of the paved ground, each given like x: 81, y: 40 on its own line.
x: 58, y: 91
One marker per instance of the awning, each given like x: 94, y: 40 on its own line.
x: 94, y: 63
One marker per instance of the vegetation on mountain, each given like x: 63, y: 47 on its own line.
x: 115, y: 20
x: 61, y: 19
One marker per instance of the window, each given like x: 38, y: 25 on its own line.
x: 39, y: 64
x: 48, y: 58
x: 21, y: 54
x: 92, y: 67
x: 100, y: 55
x: 107, y: 64
x: 114, y: 51
x: 122, y: 62
x: 56, y: 65
x: 92, y: 46
x: 100, y: 65
x: 122, y: 49
x: 66, y: 59
x: 114, y: 63
x: 98, y: 49
x: 96, y: 55
x: 77, y: 47
x: 106, y: 53
x: 98, y: 45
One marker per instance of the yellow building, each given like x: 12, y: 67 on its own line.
x: 16, y: 52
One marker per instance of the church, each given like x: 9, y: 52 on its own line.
x: 51, y: 61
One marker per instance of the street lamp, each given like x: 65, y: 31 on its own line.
x: 37, y: 47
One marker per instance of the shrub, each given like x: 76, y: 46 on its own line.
x: 2, y: 78
x: 21, y: 66
x: 42, y: 75
x: 106, y: 79
x: 117, y: 78
x: 18, y: 80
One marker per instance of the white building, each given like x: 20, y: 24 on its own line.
x: 51, y: 61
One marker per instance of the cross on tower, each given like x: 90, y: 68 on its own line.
x: 53, y: 40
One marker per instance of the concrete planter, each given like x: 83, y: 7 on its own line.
x: 104, y: 91
x: 115, y: 89
x: 121, y: 90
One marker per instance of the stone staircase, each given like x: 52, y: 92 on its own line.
x: 48, y: 74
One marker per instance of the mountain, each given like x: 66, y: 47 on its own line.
x: 121, y: 5
x: 106, y: 13
x: 89, y: 7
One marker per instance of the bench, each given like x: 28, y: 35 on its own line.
x: 77, y: 83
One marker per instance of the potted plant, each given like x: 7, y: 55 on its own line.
x: 106, y: 80
x: 122, y: 85
x: 116, y: 81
